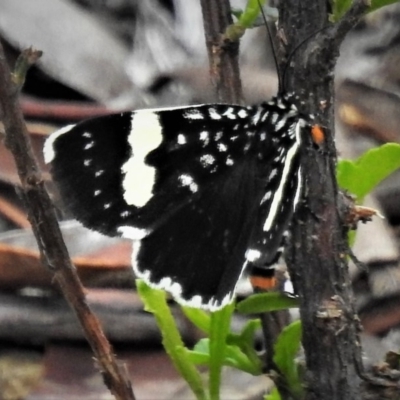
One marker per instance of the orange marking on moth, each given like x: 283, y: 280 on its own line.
x: 262, y: 282
x: 318, y: 134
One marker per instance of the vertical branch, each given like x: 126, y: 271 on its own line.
x: 45, y: 227
x: 223, y: 54
x: 317, y: 258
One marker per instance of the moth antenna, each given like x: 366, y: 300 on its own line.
x: 282, y: 77
x: 271, y: 42
x: 291, y: 55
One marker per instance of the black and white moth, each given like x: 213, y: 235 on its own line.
x: 204, y: 191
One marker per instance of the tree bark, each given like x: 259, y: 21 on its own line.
x: 317, y: 255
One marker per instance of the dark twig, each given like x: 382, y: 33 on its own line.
x: 45, y: 227
x: 352, y: 16
x: 27, y: 58
x: 223, y: 54
x: 317, y: 258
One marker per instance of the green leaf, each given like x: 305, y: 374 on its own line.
x: 246, y: 336
x: 245, y: 342
x: 274, y: 395
x: 359, y: 177
x: 285, y: 351
x: 246, y: 20
x: 339, y: 8
x: 219, y: 329
x: 266, y: 302
x: 248, y: 331
x: 155, y: 302
x: 376, y: 4
x: 250, y: 13
x: 199, y: 318
x: 234, y: 357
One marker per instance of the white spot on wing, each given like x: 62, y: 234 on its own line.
x: 187, y: 180
x: 280, y: 124
x: 266, y: 197
x: 222, y: 147
x: 97, y: 192
x: 214, y: 114
x: 229, y: 113
x: 145, y: 136
x: 218, y: 136
x: 207, y: 160
x: 89, y: 145
x: 99, y: 173
x: 181, y: 139
x: 256, y: 117
x: 252, y: 255
x: 205, y: 137
x: 193, y: 113
x: 243, y: 113
x: 280, y: 105
x: 274, y: 117
x: 48, y: 149
x: 133, y: 233
x: 87, y: 162
x: 273, y: 173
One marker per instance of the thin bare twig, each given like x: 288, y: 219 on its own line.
x: 349, y: 20
x: 45, y: 227
x: 223, y: 55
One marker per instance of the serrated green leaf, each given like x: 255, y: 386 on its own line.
x: 266, y: 302
x: 155, y: 302
x: 359, y: 177
x: 285, y: 350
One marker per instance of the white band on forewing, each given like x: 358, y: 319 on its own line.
x: 144, y: 137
